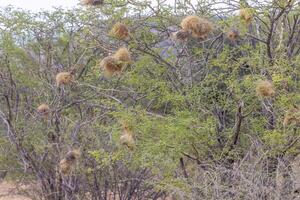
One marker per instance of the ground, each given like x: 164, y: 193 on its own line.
x: 8, y: 191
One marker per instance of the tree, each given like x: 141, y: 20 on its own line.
x: 204, y: 115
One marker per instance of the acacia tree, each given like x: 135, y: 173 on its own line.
x: 198, y: 126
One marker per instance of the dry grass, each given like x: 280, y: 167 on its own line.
x: 253, y: 177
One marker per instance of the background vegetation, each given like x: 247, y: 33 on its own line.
x: 200, y: 128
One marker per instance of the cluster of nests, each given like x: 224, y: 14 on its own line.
x: 116, y: 63
x: 113, y: 64
x: 66, y: 165
x: 192, y: 26
x: 62, y: 78
x: 199, y: 28
x: 264, y: 88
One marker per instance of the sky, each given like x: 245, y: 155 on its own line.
x: 37, y: 5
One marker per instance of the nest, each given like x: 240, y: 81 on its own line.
x: 67, y: 164
x: 65, y: 167
x: 110, y: 66
x: 92, y: 2
x: 265, y: 89
x: 198, y: 27
x: 126, y: 138
x: 122, y: 55
x: 120, y: 31
x: 64, y: 78
x: 43, y: 110
x: 116, y: 63
x: 73, y: 155
x: 292, y: 116
x: 246, y: 14
x: 233, y: 35
x: 127, y: 129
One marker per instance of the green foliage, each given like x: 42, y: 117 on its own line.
x: 182, y: 105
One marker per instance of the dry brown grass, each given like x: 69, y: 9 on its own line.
x: 254, y: 176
